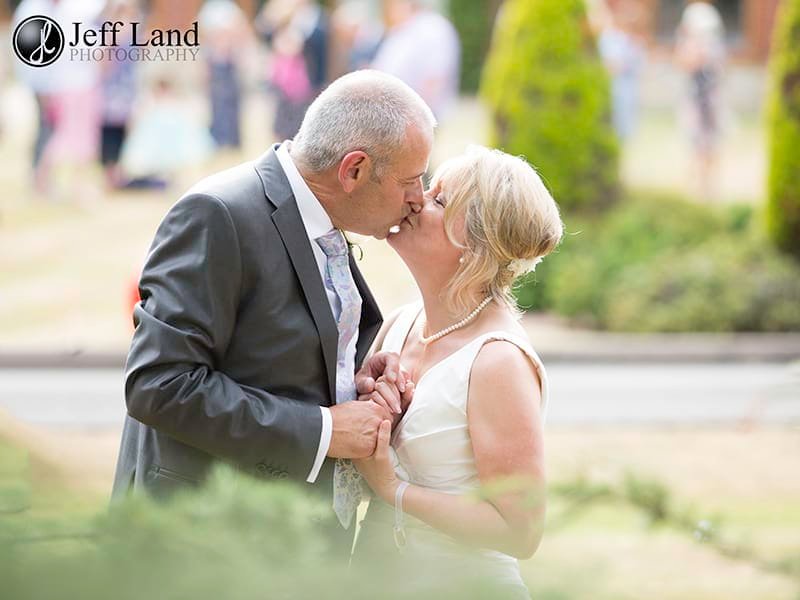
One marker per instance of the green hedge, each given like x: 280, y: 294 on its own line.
x: 783, y: 206
x: 473, y: 20
x: 549, y: 97
x: 727, y: 284
x: 662, y: 264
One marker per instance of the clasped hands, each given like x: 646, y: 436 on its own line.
x: 362, y: 429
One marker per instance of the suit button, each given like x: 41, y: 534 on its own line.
x: 262, y: 468
x: 283, y: 475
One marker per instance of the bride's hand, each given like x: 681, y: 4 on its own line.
x: 385, y: 382
x: 377, y: 469
x: 388, y: 396
x: 386, y: 364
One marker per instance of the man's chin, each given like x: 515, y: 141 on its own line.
x: 380, y: 234
x: 386, y: 233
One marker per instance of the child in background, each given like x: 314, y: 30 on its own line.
x: 164, y: 139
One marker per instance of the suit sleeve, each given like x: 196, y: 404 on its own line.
x: 190, y: 289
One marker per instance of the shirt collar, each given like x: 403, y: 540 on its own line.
x: 316, y: 220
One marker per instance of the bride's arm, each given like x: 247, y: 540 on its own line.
x: 506, y: 431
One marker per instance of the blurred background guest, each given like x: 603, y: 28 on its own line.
x: 297, y: 32
x: 226, y: 37
x: 357, y: 33
x: 68, y: 103
x: 623, y: 54
x: 42, y: 85
x: 118, y: 87
x: 422, y: 48
x: 700, y: 53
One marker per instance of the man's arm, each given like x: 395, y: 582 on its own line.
x: 190, y: 290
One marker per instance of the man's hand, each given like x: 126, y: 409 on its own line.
x: 355, y: 428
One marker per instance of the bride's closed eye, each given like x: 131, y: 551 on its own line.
x: 440, y: 200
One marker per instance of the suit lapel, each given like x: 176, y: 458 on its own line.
x: 293, y: 233
x: 371, y: 318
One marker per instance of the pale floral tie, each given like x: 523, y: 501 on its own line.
x: 347, y: 481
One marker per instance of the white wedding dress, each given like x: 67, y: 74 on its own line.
x: 432, y: 448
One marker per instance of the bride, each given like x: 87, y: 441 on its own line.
x: 458, y: 479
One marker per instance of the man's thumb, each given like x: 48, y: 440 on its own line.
x: 365, y: 385
x: 384, y: 434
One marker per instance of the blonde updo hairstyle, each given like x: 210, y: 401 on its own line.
x: 508, y: 218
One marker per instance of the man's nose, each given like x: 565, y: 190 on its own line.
x: 417, y: 199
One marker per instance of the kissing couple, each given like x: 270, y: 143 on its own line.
x: 259, y: 344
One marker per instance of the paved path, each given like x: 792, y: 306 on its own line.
x: 581, y: 394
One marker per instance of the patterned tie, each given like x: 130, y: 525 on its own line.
x: 346, y: 479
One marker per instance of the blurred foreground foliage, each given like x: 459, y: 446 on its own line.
x: 658, y: 263
x: 235, y: 538
x: 241, y: 538
x: 783, y: 197
x: 548, y: 94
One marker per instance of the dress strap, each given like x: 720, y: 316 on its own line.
x: 526, y: 347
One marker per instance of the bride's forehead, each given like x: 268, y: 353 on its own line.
x: 448, y: 183
x: 442, y: 176
x: 452, y: 172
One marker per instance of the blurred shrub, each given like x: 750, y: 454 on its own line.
x: 576, y: 279
x: 650, y: 495
x: 662, y: 264
x: 473, y: 20
x: 236, y: 538
x: 783, y: 205
x: 549, y: 97
x: 733, y: 283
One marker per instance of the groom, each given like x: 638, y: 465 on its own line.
x: 254, y: 317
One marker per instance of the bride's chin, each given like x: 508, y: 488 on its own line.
x: 395, y: 238
x: 401, y: 230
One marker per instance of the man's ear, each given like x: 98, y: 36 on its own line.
x: 354, y: 169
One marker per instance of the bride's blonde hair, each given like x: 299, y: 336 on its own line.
x: 509, y: 220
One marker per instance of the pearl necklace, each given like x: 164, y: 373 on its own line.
x: 440, y: 334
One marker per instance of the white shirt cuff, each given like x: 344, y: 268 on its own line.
x: 324, y: 443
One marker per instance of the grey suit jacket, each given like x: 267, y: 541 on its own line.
x: 235, y: 344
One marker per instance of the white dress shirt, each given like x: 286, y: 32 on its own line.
x: 317, y: 223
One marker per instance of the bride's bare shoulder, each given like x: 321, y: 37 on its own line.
x: 506, y: 356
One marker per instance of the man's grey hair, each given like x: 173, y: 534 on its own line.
x: 365, y: 110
